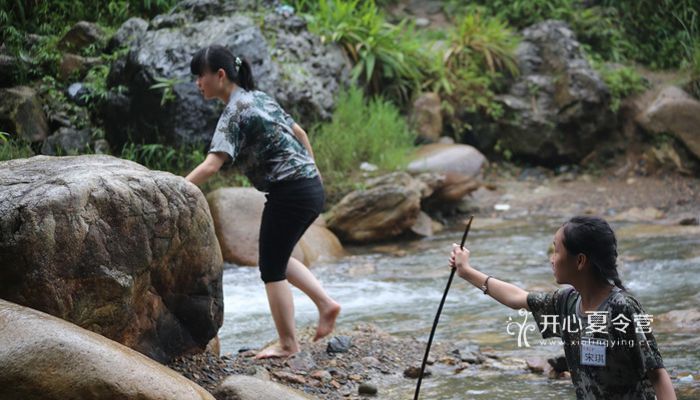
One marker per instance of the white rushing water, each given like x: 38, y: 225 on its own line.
x: 400, y: 294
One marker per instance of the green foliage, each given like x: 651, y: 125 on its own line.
x: 480, y: 52
x: 164, y: 158
x: 658, y: 33
x: 387, y: 58
x: 361, y: 131
x: 168, y: 86
x: 661, y: 32
x: 622, y: 82
x: 49, y: 16
x: 11, y: 148
x: 693, y: 67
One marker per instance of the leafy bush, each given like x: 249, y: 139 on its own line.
x: 11, y: 148
x: 652, y: 32
x: 468, y: 72
x: 387, y: 58
x: 661, y: 32
x: 370, y: 131
x: 622, y: 82
x: 693, y: 67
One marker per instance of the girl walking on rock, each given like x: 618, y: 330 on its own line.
x: 275, y: 154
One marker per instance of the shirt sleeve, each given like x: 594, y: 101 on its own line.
x: 227, y: 136
x: 546, y: 309
x: 288, y: 119
x: 643, y: 340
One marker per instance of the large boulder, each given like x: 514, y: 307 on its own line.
x: 67, y: 141
x: 288, y: 62
x: 242, y: 387
x: 442, y: 157
x: 21, y: 114
x: 676, y: 112
x: 45, y: 358
x: 388, y: 207
x: 558, y: 109
x: 237, y: 213
x: 113, y: 247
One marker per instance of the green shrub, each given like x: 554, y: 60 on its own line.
x: 622, y: 81
x: 693, y: 67
x: 661, y: 32
x: 370, y: 131
x: 11, y: 148
x: 468, y: 72
x: 164, y: 158
x: 387, y: 58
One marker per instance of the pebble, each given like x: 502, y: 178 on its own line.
x: 339, y: 344
x: 414, y: 372
x: 367, y: 389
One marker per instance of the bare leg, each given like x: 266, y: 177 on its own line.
x: 328, y: 310
x: 279, y: 296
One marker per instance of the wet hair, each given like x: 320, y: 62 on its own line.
x: 593, y: 237
x: 215, y: 57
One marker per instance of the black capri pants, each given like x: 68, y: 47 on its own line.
x: 291, y: 207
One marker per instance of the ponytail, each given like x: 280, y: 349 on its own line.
x: 593, y: 237
x: 215, y: 57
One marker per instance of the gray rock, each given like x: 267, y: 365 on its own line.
x: 294, y: 67
x: 426, y: 116
x: 46, y: 358
x: 21, y: 114
x: 77, y: 92
x: 339, y: 344
x: 301, y: 361
x: 127, y: 34
x: 367, y: 389
x: 67, y: 141
x: 241, y: 387
x: 557, y: 110
x: 388, y: 207
x: 114, y: 248
x: 80, y: 36
x: 676, y: 112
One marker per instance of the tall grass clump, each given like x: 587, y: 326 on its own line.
x: 361, y: 131
x: 387, y: 58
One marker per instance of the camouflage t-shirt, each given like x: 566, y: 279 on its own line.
x: 257, y: 134
x: 628, y: 344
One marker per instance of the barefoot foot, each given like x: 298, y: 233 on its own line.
x: 276, y: 351
x: 326, y: 320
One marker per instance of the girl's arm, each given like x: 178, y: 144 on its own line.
x: 303, y: 138
x: 207, y: 168
x: 662, y: 384
x: 504, y: 292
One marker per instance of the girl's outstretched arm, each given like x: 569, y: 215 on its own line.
x: 504, y: 292
x: 207, y: 168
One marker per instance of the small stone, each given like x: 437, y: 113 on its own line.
x: 367, y: 389
x: 336, y: 384
x: 414, y: 372
x: 321, y: 375
x: 301, y: 361
x: 355, y: 377
x: 339, y: 344
x: 289, y: 377
x: 692, y: 221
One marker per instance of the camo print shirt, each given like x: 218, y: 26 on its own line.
x: 257, y: 134
x: 631, y: 350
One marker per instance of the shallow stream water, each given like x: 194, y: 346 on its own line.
x: 398, y: 287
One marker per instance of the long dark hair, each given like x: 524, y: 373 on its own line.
x: 215, y: 57
x: 593, y: 237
